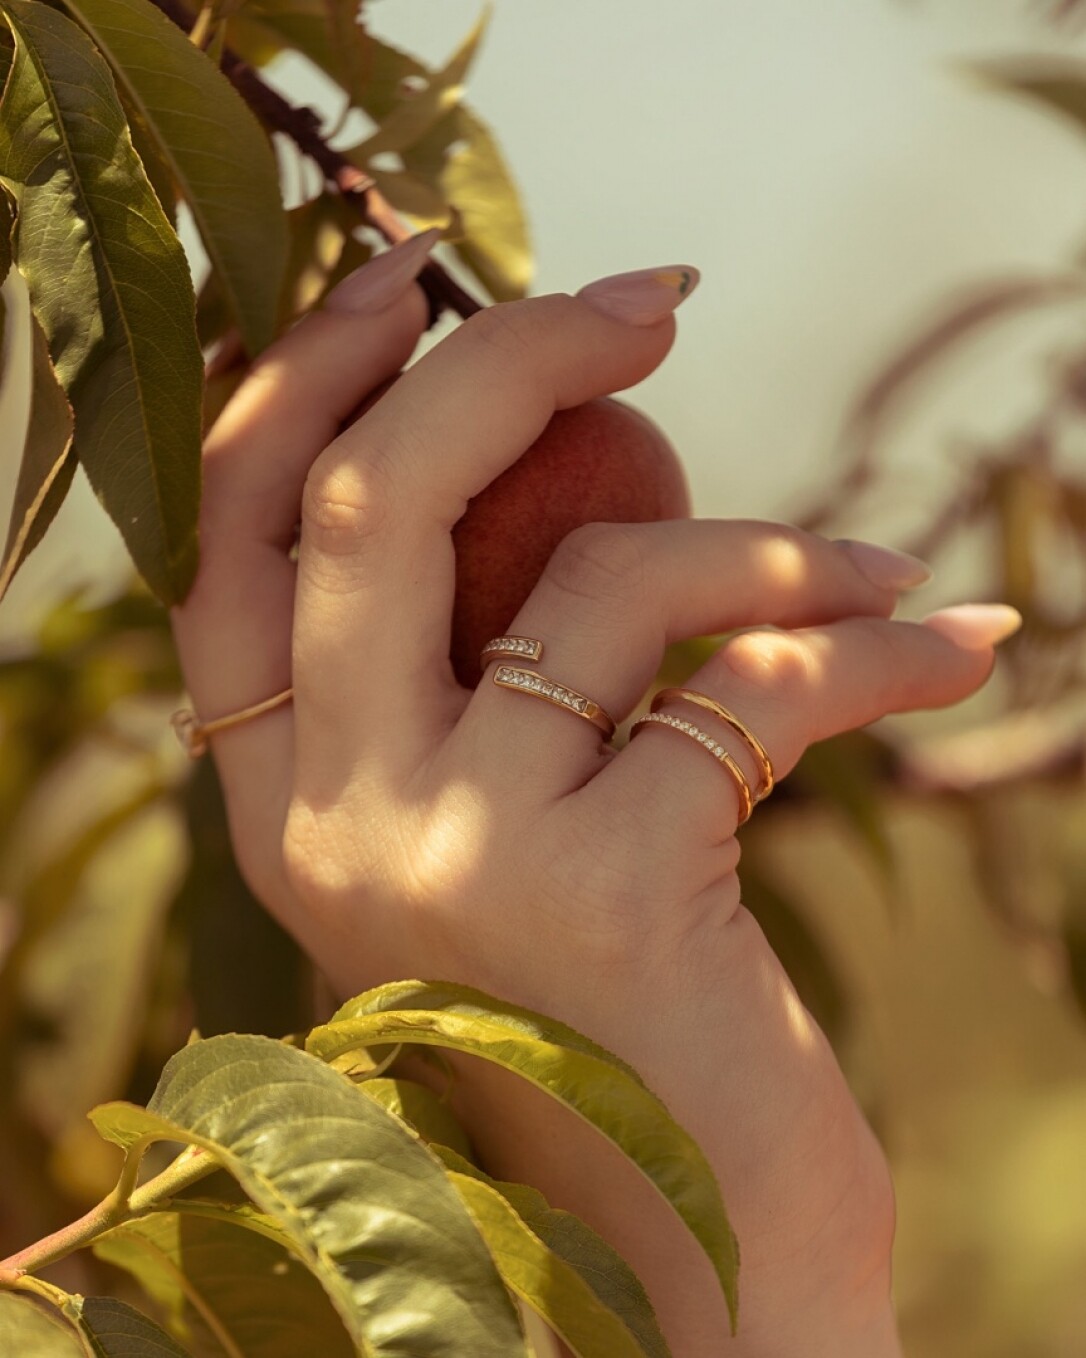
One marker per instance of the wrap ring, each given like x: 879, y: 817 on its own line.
x: 194, y: 733
x: 537, y: 685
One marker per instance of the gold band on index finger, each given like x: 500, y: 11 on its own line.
x: 756, y: 747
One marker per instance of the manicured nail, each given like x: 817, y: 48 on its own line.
x: 382, y: 279
x: 975, y: 626
x: 886, y: 567
x: 643, y: 297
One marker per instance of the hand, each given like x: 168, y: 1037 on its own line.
x: 401, y: 826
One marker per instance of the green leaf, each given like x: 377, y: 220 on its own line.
x: 228, y: 1282
x: 324, y: 31
x: 592, y: 1082
x: 215, y: 149
x: 89, y: 983
x: 27, y: 1330
x: 415, y: 114
x: 109, y: 281
x: 48, y: 464
x: 117, y: 1330
x: 367, y: 1206
x: 571, y: 1277
x: 7, y: 225
x: 479, y: 185
x: 420, y: 1108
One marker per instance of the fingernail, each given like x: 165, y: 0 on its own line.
x: 382, y: 279
x: 643, y: 297
x: 886, y: 567
x: 975, y: 626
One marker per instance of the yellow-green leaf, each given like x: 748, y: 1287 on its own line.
x: 110, y: 283
x: 571, y: 1277
x: 420, y: 1108
x: 48, y: 463
x: 367, y: 1205
x: 228, y: 1282
x: 28, y: 1330
x: 416, y: 113
x: 603, y: 1090
x: 215, y: 149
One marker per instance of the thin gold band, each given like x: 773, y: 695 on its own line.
x: 719, y: 753
x: 194, y: 734
x: 690, y: 695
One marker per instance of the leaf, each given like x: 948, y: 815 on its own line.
x: 89, y: 983
x: 109, y: 281
x: 216, y: 151
x: 600, y: 1088
x: 367, y: 1206
x: 7, y: 225
x: 48, y: 465
x: 421, y: 1109
x: 415, y: 114
x: 226, y: 1284
x: 117, y: 1330
x: 571, y: 1277
x: 479, y: 185
x: 28, y: 1330
x: 334, y: 41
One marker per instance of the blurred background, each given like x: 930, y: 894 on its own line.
x: 889, y: 342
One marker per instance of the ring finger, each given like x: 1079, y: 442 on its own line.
x: 790, y: 689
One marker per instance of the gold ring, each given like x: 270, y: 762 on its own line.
x: 690, y: 695
x: 516, y: 648
x: 194, y: 734
x: 719, y: 753
x: 539, y: 686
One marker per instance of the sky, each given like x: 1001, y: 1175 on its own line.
x: 831, y: 169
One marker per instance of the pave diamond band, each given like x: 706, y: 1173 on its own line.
x: 719, y: 753
x: 757, y: 749
x: 539, y: 686
x: 517, y: 648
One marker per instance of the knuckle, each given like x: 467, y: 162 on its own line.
x: 772, y: 662
x: 344, y: 503
x: 503, y: 332
x: 603, y: 564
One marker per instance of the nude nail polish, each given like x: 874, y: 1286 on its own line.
x: 378, y: 283
x: 975, y: 626
x: 886, y: 567
x: 644, y: 296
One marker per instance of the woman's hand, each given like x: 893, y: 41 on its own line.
x: 401, y: 826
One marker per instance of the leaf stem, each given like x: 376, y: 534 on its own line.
x: 356, y: 187
x: 123, y: 1204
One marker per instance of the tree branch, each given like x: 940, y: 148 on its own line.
x: 357, y: 189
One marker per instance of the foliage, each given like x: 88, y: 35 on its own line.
x: 357, y: 1224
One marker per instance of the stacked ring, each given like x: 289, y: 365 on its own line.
x: 538, y: 685
x: 719, y: 753
x: 756, y: 747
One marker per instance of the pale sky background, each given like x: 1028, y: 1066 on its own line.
x: 826, y: 166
